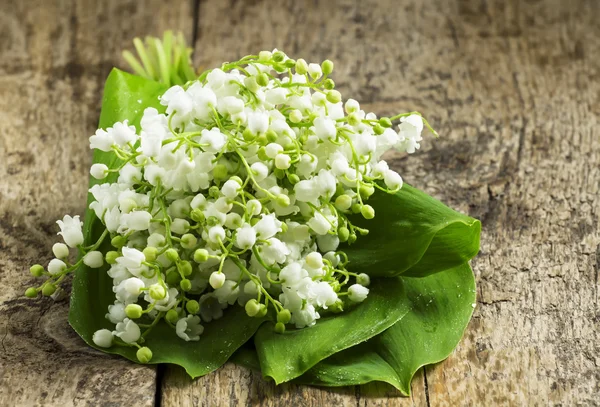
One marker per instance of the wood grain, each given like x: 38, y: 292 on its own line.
x: 54, y: 58
x: 512, y: 86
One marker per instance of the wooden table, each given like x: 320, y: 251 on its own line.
x: 513, y: 88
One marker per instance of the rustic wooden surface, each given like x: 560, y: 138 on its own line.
x: 513, y: 88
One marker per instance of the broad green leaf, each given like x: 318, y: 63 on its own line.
x: 412, y: 234
x: 441, y: 307
x: 125, y: 97
x: 286, y: 356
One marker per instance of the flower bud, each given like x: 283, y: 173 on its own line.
x: 31, y: 292
x: 36, y: 270
x: 99, y: 171
x: 352, y: 238
x: 264, y: 56
x: 328, y: 84
x: 337, y: 307
x: 150, y: 253
x: 192, y: 307
x: 343, y: 202
x: 343, y: 234
x: 367, y: 212
x: 252, y: 307
x: 185, y: 284
x: 60, y: 250
x: 356, y: 208
x: 144, y: 354
x: 366, y: 191
x: 363, y: 279
x: 289, y: 63
x: 172, y: 316
x: 385, y: 122
x: 301, y: 66
x: 278, y: 56
x: 262, y: 79
x: 327, y: 67
x: 315, y: 71
x: 293, y: 178
x: 173, y: 277
x: 48, y: 289
x: 133, y: 311
x: 172, y: 255
x: 188, y: 241
x: 197, y: 215
x: 56, y: 266
x: 93, y: 259
x: 282, y: 161
x: 111, y: 257
x: 248, y: 135
x: 103, y: 338
x: 295, y: 116
x: 201, y: 255
x: 353, y: 119
x: 333, y: 96
x: 250, y: 83
x: 262, y: 312
x: 118, y: 241
x: 284, y: 316
x: 279, y: 328
x: 271, y: 136
x: 282, y: 200
x: 157, y: 292
x: 185, y: 267
x: 216, y: 279
x: 220, y: 172
x: 378, y: 129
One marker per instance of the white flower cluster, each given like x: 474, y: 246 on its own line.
x: 241, y: 192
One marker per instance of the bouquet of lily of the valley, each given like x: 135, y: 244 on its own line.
x: 246, y: 214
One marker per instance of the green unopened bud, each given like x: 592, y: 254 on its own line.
x: 301, y: 66
x: 328, y: 84
x: 157, y: 292
x: 343, y: 202
x: 248, y: 135
x: 279, y: 174
x: 284, y: 316
x: 327, y: 67
x: 353, y: 119
x: 172, y: 316
x: 264, y: 55
x: 188, y: 241
x: 343, y: 234
x: 282, y: 200
x: 337, y: 307
x: 185, y: 284
x: 144, y: 354
x: 262, y: 312
x: 214, y: 191
x: 284, y: 228
x: 111, y: 257
x: 173, y: 277
x: 201, y: 255
x: 250, y: 83
x: 293, y: 178
x: 289, y: 63
x: 253, y: 221
x: 262, y: 79
x: 278, y: 56
x: 385, y: 122
x: 134, y: 311
x: 48, y: 289
x: 356, y: 208
x: 252, y: 307
x: 295, y: 116
x: 192, y: 307
x: 271, y: 136
x: 36, y: 270
x: 118, y: 241
x: 150, y: 253
x: 279, y: 328
x: 185, y: 267
x: 333, y: 96
x: 262, y: 154
x: 220, y: 172
x: 363, y: 279
x: 31, y: 292
x: 352, y: 238
x: 197, y: 215
x: 367, y: 212
x: 378, y: 129
x: 172, y: 255
x: 366, y: 191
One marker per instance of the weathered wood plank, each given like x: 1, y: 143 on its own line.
x: 54, y: 58
x: 513, y: 88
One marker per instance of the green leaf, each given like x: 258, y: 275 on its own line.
x: 412, y: 234
x: 286, y: 356
x: 125, y: 97
x: 441, y: 307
